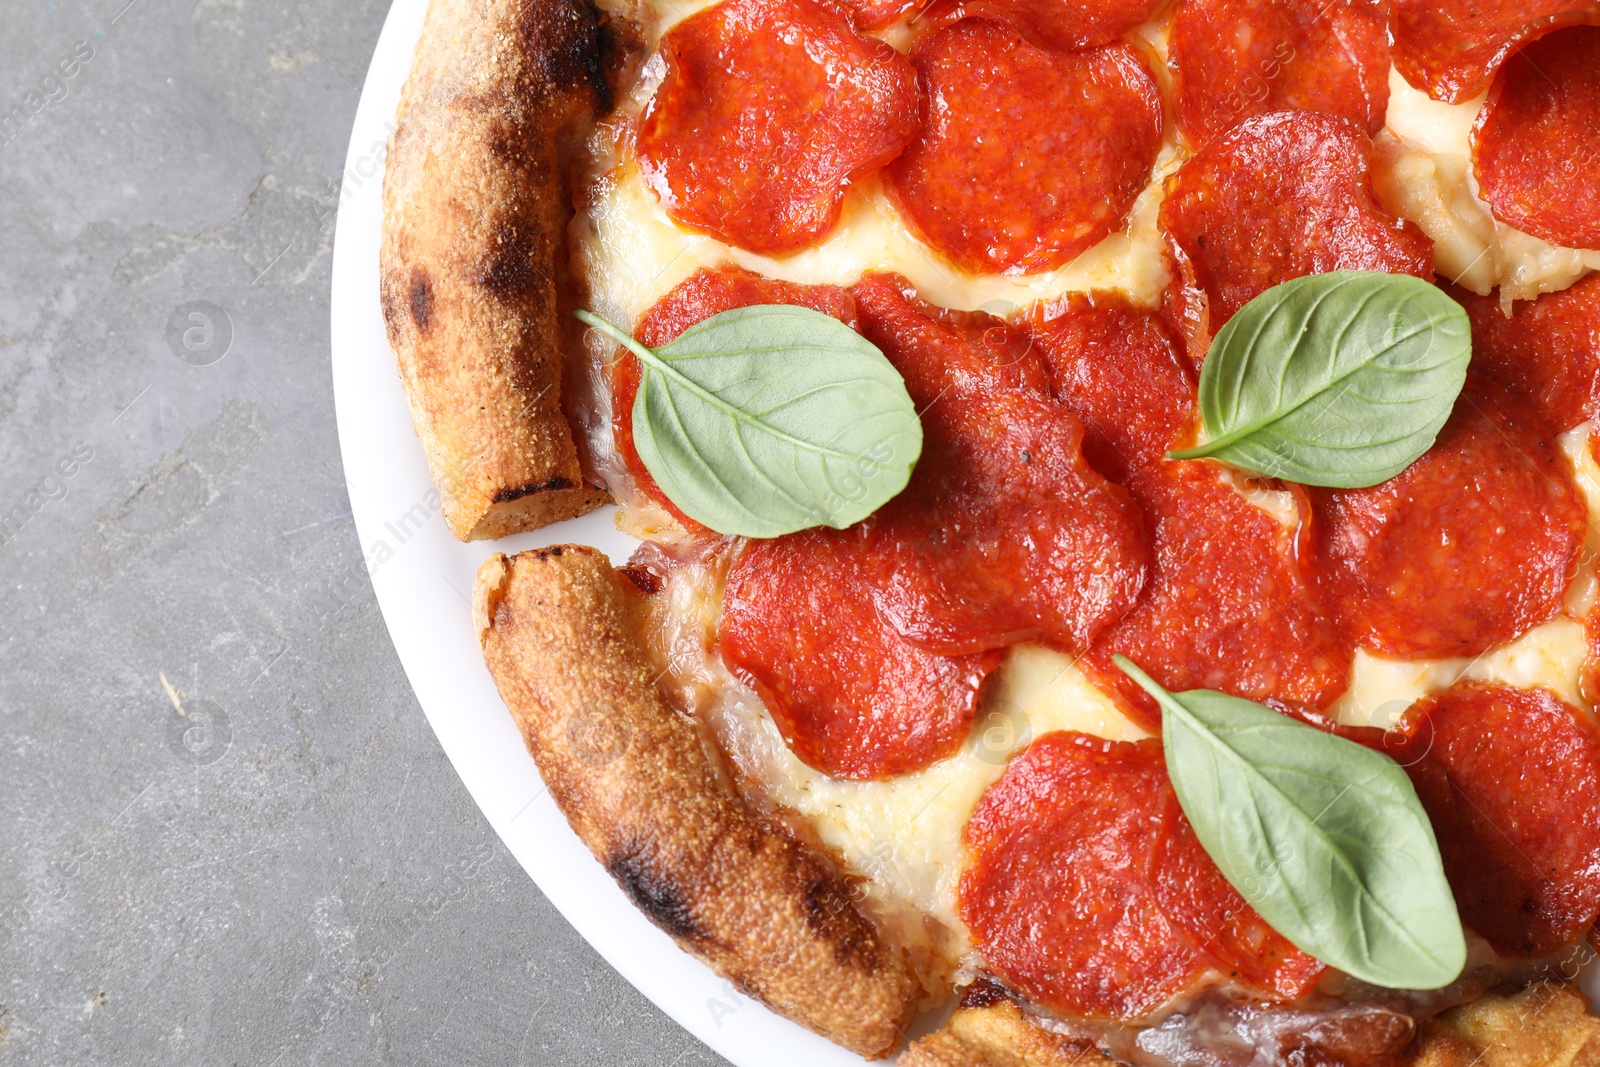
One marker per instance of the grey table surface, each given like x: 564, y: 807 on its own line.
x: 291, y: 873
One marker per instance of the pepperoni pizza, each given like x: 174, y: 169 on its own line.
x: 867, y: 768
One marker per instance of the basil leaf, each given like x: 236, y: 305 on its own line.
x: 1325, y: 838
x: 1339, y: 379
x: 770, y: 419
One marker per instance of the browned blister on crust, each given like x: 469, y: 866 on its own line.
x: 475, y: 212
x: 560, y: 630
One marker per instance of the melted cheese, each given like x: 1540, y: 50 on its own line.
x: 1551, y: 655
x: 638, y: 254
x: 1424, y: 173
x: 905, y: 833
x: 633, y: 254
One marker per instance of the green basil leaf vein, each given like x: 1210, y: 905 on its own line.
x: 1339, y: 379
x: 1325, y: 838
x: 770, y: 419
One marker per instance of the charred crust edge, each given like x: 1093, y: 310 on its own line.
x: 655, y: 893
x: 983, y: 992
x: 564, y: 44
x: 505, y: 496
x: 421, y: 300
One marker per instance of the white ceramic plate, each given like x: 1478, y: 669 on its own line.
x: 423, y: 579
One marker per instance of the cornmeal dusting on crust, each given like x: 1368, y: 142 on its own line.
x: 560, y: 633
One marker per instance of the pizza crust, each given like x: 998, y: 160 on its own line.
x: 560, y: 631
x: 475, y: 209
x: 999, y: 1035
x: 1545, y: 1025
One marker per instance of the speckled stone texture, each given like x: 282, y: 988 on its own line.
x: 290, y: 871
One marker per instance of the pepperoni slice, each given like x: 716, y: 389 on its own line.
x: 1508, y: 777
x: 1219, y: 923
x: 1451, y: 48
x: 1238, y: 58
x: 851, y: 697
x: 1226, y: 605
x: 768, y: 110
x: 1118, y: 368
x: 1465, y: 549
x: 870, y: 646
x: 712, y: 290
x: 1026, y: 157
x: 940, y: 351
x: 1281, y: 196
x: 1005, y: 533
x: 1186, y: 305
x: 1546, y: 354
x: 1089, y: 893
x: 707, y: 292
x: 1536, y: 144
x: 1058, y: 24
x: 1060, y: 896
